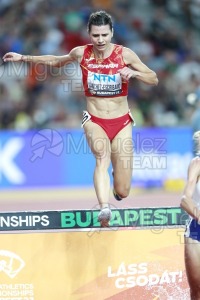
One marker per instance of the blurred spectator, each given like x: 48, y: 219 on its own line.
x: 193, y: 100
x: 195, y: 121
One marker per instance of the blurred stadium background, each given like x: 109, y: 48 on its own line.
x: 44, y: 160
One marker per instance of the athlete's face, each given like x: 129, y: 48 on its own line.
x: 100, y: 36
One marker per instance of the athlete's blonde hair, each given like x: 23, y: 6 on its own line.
x: 196, y: 139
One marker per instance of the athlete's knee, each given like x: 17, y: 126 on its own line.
x: 122, y: 190
x: 103, y: 160
x: 101, y: 148
x: 101, y: 155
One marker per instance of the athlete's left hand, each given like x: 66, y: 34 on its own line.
x: 127, y: 73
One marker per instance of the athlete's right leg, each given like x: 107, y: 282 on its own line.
x: 100, y: 146
x: 192, y: 265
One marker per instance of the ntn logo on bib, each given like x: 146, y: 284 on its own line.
x: 104, y: 84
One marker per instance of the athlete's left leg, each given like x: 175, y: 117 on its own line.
x: 122, y: 162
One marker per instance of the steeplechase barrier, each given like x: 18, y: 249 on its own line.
x: 66, y: 255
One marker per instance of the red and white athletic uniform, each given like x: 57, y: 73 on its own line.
x: 101, y: 78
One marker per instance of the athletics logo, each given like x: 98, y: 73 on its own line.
x: 10, y: 263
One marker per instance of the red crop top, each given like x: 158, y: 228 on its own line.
x: 100, y: 76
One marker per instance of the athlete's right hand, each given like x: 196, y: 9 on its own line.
x: 127, y: 73
x: 12, y: 56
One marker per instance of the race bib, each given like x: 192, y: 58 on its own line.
x: 104, y: 84
x: 86, y: 117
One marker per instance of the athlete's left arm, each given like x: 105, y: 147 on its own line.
x: 137, y: 69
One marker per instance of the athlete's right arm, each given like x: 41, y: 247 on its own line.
x: 50, y: 60
x: 187, y: 202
